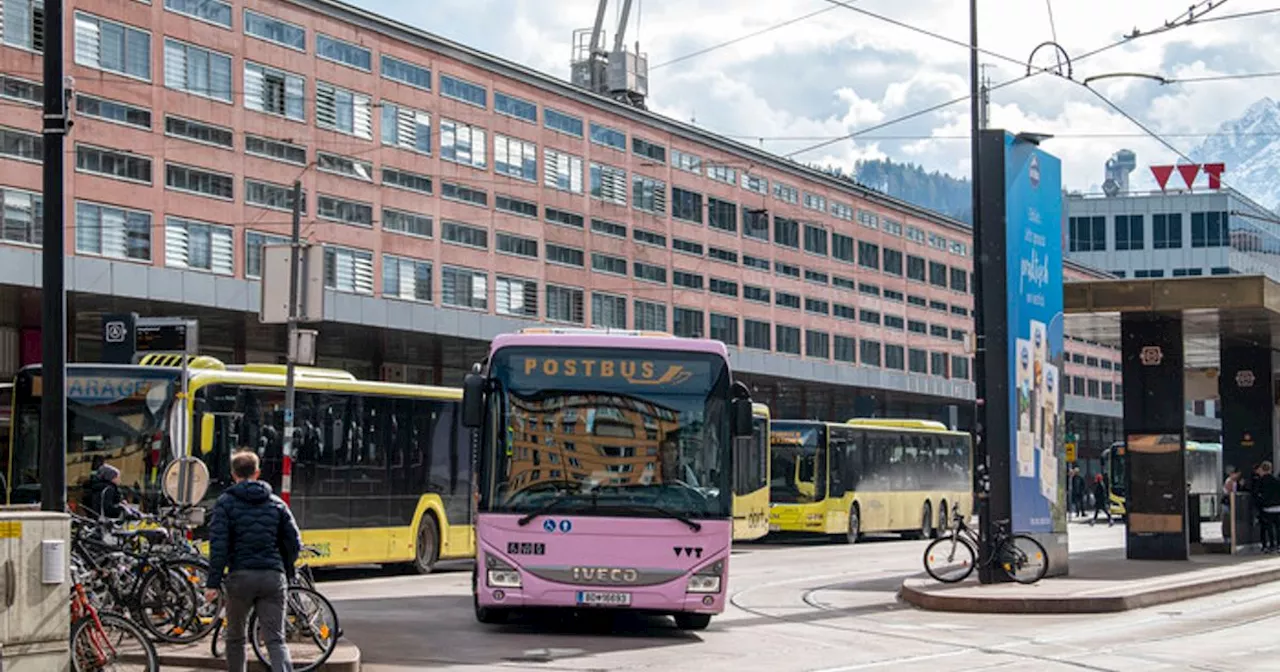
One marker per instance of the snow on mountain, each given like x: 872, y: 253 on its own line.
x: 1250, y: 148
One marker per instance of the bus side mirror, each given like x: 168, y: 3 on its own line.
x: 206, y: 434
x: 472, y: 400
x: 742, y: 417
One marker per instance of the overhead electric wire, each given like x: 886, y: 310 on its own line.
x: 1222, y: 78
x: 741, y: 38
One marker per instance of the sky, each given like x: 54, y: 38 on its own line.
x: 841, y: 71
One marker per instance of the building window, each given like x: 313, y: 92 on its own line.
x: 111, y: 110
x: 509, y: 243
x: 408, y: 279
x: 1129, y: 234
x: 755, y: 223
x: 869, y: 352
x: 22, y: 24
x: 1209, y: 229
x: 405, y: 72
x: 757, y: 294
x: 17, y: 144
x: 868, y: 219
x: 271, y: 196
x: 559, y: 121
x: 407, y: 223
x: 648, y: 194
x: 467, y: 236
x: 564, y: 255
x: 917, y: 360
x: 403, y: 179
x: 113, y: 232
x: 199, y: 246
x: 815, y: 239
x: 462, y: 90
x: 564, y: 304
x: 649, y: 272
x: 516, y: 296
x: 110, y: 46
x: 755, y: 183
x: 21, y: 216
x: 345, y: 166
x: 197, y: 71
x: 722, y: 173
x: 786, y: 193
x: 278, y: 150
x: 199, y: 181
x: 689, y: 163
x: 406, y: 127
x: 868, y: 255
x: 960, y: 368
x: 348, y: 270
x: 891, y: 227
x: 334, y: 209
x: 1166, y: 231
x: 1087, y: 234
x: 464, y: 288
x: 817, y: 306
x: 344, y: 111
x: 723, y: 287
x: 841, y: 211
x: 916, y: 268
x: 787, y: 339
x: 844, y: 283
x: 817, y: 344
x: 564, y: 218
x: 938, y: 274
x: 516, y: 158
x: 608, y: 311
x: 892, y: 261
x: 212, y: 11
x: 815, y: 202
x: 607, y: 263
x: 274, y: 92
x: 272, y: 29
x: 846, y: 349
x: 894, y: 322
x: 757, y: 335
x: 338, y: 51
x: 649, y: 238
x: 723, y: 255
x: 687, y: 323
x: 199, y: 131
x: 647, y: 149
x: 686, y: 205
x: 515, y: 206
x: 869, y: 316
x: 650, y: 316
x: 562, y: 171
x: 938, y: 364
x: 786, y: 300
x: 786, y: 232
x: 609, y: 184
x: 462, y: 143
x: 519, y: 108
x: 842, y: 247
x: 724, y: 328
x: 32, y: 93
x: 253, y: 244
x: 608, y: 137
x: 755, y: 262
x: 960, y: 280
x: 788, y: 270
x: 816, y: 277
x: 686, y: 279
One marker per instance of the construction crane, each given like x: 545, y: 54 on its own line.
x: 618, y: 73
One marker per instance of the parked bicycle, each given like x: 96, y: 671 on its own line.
x: 102, y: 640
x: 311, y: 630
x: 952, y: 558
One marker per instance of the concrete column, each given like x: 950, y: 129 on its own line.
x: 1154, y: 416
x: 1248, y: 409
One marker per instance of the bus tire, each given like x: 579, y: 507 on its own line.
x: 688, y: 621
x: 944, y: 520
x: 485, y: 615
x: 927, y: 529
x: 426, y: 544
x: 854, y: 529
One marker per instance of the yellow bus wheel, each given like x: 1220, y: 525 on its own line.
x: 427, y: 544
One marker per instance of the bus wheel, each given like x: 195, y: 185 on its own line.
x: 855, y: 526
x: 486, y: 615
x: 687, y: 621
x: 926, y: 522
x: 427, y: 545
x: 944, y: 521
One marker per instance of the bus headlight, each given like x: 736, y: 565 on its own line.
x: 499, y: 573
x: 707, y: 579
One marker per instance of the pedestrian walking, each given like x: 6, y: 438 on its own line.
x: 254, y: 539
x: 1101, y: 501
x: 1267, y: 492
x: 102, y: 496
x: 1077, y: 492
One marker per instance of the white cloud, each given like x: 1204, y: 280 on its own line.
x: 842, y: 71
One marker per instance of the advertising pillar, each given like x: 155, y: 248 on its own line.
x: 1245, y: 394
x: 1021, y: 266
x: 1153, y: 466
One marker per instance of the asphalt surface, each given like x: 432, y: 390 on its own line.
x: 811, y: 607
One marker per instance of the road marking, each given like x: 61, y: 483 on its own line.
x: 896, y: 661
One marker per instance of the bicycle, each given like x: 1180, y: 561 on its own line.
x: 309, y: 618
x: 93, y: 648
x: 959, y: 551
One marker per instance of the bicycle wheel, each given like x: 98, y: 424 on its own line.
x: 950, y: 559
x: 118, y: 645
x: 167, y: 606
x: 311, y: 630
x: 1023, y: 559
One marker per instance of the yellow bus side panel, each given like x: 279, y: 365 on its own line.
x: 798, y: 517
x: 880, y: 511
x: 751, y: 515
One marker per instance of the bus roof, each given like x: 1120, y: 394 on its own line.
x: 600, y: 338
x: 928, y: 425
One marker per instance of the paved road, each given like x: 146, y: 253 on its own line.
x: 810, y: 607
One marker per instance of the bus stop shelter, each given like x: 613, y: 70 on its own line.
x: 1177, y: 336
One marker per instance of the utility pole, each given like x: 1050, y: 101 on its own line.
x: 53, y: 322
x: 291, y: 350
x: 980, y: 460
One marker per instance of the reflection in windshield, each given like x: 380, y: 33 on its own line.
x: 795, y: 461
x: 619, y: 445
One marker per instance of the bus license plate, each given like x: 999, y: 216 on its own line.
x: 594, y: 599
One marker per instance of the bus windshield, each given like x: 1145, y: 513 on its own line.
x: 616, y: 432
x: 116, y: 415
x: 796, y: 463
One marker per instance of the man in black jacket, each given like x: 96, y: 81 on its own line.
x: 102, y: 495
x: 254, y: 539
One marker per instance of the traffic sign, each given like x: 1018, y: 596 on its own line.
x: 1071, y: 451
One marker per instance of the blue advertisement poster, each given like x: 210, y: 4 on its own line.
x: 1033, y: 243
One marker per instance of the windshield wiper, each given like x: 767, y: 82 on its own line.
x: 551, y: 504
x: 668, y: 513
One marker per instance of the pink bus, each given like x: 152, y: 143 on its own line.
x: 603, y: 474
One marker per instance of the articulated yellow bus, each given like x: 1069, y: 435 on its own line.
x: 844, y: 480
x: 751, y: 479
x: 381, y: 471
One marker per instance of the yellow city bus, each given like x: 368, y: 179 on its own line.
x: 899, y: 476
x: 751, y: 479
x: 381, y: 472
x: 1204, y: 473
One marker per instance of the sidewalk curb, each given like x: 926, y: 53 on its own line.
x: 346, y: 658
x: 935, y: 601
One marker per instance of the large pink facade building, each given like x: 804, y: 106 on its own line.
x: 459, y: 195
